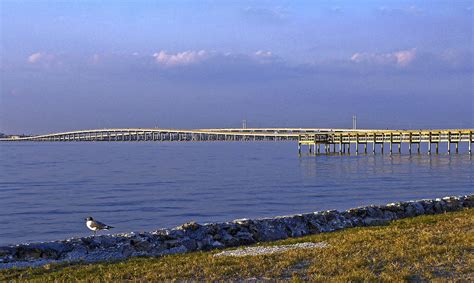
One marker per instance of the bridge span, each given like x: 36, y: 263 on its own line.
x: 333, y: 140
x: 157, y: 134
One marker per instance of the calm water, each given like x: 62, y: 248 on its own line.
x: 47, y: 189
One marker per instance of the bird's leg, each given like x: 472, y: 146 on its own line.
x: 95, y: 232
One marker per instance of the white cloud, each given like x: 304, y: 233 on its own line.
x: 400, y: 58
x: 405, y: 57
x: 39, y: 57
x: 261, y: 53
x: 33, y: 58
x: 179, y: 59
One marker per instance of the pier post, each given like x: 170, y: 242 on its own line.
x: 391, y: 143
x: 449, y: 142
x: 299, y: 148
x: 357, y: 143
x: 319, y: 148
x: 470, y: 142
x: 457, y: 147
x: 309, y: 148
x: 349, y: 144
x: 373, y: 143
x: 429, y: 143
x: 340, y: 144
x: 409, y: 144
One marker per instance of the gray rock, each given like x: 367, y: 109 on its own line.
x: 439, y: 206
x: 468, y: 201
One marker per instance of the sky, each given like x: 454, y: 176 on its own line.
x: 69, y: 65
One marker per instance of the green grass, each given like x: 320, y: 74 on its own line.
x: 421, y: 248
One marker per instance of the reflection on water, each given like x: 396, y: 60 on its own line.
x: 46, y: 189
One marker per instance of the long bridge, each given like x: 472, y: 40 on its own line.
x: 332, y: 140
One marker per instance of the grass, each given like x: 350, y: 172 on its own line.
x: 417, y: 249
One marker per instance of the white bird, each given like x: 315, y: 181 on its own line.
x: 95, y: 225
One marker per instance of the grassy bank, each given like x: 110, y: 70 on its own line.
x: 425, y: 247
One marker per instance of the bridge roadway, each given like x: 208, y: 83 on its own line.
x: 335, y: 140
x: 156, y: 134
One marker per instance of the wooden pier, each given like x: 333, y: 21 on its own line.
x: 343, y: 141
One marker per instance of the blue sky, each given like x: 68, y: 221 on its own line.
x: 198, y: 64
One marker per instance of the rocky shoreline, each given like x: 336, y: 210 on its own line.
x: 195, y: 237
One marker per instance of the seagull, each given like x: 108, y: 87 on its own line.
x: 95, y: 225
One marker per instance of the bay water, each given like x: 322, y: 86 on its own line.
x: 47, y: 189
